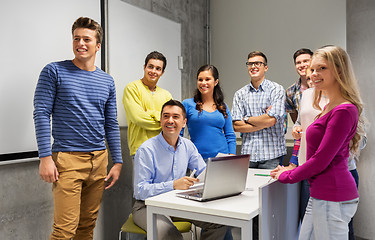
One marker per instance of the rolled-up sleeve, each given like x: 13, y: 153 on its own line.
x: 278, y: 103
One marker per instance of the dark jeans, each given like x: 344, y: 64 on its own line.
x: 356, y: 179
x: 267, y: 164
x: 228, y: 234
x: 304, y: 198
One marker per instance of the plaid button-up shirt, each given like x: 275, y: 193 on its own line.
x: 268, y: 143
x: 293, y: 97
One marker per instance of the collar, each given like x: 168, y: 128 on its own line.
x: 165, y: 144
x: 262, y: 86
x: 298, y: 83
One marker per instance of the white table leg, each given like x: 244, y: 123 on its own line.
x: 247, y: 232
x: 151, y: 224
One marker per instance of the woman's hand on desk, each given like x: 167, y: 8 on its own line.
x: 184, y: 183
x: 275, y: 173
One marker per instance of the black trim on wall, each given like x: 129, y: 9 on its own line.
x: 102, y: 23
x: 19, y: 155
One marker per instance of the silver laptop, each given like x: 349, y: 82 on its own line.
x: 225, y: 176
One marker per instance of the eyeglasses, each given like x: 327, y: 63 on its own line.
x: 256, y: 64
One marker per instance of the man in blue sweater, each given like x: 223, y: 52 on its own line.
x: 81, y: 99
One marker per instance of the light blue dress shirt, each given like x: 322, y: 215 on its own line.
x: 157, y: 165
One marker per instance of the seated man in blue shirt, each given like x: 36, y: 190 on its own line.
x: 160, y: 166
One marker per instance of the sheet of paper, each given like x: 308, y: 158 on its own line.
x: 201, y: 176
x: 222, y: 154
x: 197, y: 185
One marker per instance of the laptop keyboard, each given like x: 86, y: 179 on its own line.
x: 196, y: 194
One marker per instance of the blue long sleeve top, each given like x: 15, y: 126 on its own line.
x: 83, y: 109
x: 211, y: 132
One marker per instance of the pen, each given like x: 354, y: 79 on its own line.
x: 263, y: 175
x: 192, y: 174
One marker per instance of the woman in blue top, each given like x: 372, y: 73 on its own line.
x: 209, y: 120
x: 208, y: 117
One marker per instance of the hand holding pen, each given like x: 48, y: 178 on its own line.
x: 297, y: 132
x: 193, y: 172
x: 185, y: 182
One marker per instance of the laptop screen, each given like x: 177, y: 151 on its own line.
x: 225, y: 176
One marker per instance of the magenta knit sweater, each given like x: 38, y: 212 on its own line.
x: 326, y: 168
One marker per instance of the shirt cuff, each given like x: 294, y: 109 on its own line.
x: 294, y: 160
x: 246, y: 119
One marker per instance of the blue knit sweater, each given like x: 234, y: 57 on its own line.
x: 83, y: 109
x: 210, y: 131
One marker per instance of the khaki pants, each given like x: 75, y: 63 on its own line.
x: 78, y: 193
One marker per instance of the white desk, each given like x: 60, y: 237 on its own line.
x: 237, y: 211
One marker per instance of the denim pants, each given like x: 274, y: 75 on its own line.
x: 351, y: 229
x: 304, y: 198
x: 327, y: 219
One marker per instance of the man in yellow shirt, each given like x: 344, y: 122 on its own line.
x: 143, y: 101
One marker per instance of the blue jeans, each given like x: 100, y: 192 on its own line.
x: 327, y: 219
x: 267, y: 164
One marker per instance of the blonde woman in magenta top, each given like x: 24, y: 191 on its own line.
x: 306, y: 117
x: 333, y: 193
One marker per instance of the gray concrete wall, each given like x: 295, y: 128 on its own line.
x: 361, y: 47
x: 277, y: 28
x: 26, y: 206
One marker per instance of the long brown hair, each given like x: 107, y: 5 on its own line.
x: 217, y: 95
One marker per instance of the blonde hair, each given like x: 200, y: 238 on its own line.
x: 342, y: 69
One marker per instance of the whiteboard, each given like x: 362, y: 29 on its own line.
x: 133, y: 33
x: 34, y: 33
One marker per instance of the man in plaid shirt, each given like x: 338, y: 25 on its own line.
x: 258, y: 113
x: 302, y: 58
